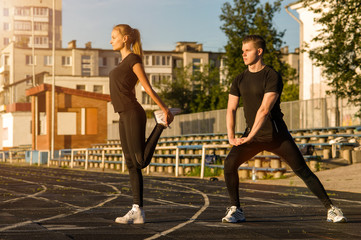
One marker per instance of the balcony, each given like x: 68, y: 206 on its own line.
x: 44, y: 18
x: 4, y: 69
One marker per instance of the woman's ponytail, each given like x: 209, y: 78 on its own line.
x: 137, y: 44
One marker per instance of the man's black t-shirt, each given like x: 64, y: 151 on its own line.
x: 122, y: 81
x: 252, y: 86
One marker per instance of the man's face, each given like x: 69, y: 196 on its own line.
x: 250, y: 53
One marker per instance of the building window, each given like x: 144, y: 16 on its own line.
x: 40, y: 26
x: 86, y: 72
x: 146, y: 60
x: 196, y: 63
x: 6, y: 41
x: 156, y: 60
x: 102, y: 61
x: 22, y: 11
x: 86, y: 65
x: 166, y: 60
x: 6, y: 26
x: 155, y: 79
x: 22, y: 26
x: 48, y: 60
x: 41, y: 41
x: 80, y: 87
x: 66, y: 61
x: 6, y: 60
x: 6, y: 12
x: 159, y: 79
x: 41, y: 11
x: 22, y: 41
x: 146, y: 98
x: 29, y: 60
x: 98, y: 88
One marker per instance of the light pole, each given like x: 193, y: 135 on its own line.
x: 53, y: 89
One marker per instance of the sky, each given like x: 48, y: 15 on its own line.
x: 162, y: 23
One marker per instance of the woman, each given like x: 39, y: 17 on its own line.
x: 132, y: 118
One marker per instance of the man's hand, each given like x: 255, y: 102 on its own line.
x: 239, y: 141
x: 234, y: 141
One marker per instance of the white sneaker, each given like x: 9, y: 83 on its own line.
x: 134, y: 216
x: 159, y: 115
x: 234, y: 215
x: 335, y: 215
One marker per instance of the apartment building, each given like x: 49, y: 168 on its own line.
x: 86, y: 68
x: 25, y: 22
x: 82, y: 68
x: 293, y: 59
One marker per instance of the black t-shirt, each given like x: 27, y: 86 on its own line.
x: 122, y: 81
x: 252, y: 87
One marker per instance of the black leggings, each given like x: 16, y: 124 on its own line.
x: 137, y: 152
x: 284, y: 146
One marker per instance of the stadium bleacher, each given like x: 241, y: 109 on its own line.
x: 179, y: 155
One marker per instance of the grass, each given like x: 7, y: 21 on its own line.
x: 208, y: 172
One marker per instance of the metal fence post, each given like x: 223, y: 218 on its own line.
x: 177, y: 162
x: 86, y: 159
x: 123, y: 161
x: 103, y: 160
x: 71, y: 158
x: 39, y: 158
x: 203, y: 161
x: 31, y: 158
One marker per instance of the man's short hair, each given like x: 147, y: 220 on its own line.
x: 258, y: 41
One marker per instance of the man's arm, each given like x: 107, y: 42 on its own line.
x: 231, y: 118
x: 269, y: 99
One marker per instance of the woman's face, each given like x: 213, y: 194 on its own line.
x: 117, y: 40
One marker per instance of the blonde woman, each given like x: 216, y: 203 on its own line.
x: 132, y: 119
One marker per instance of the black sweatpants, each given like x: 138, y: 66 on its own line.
x: 137, y: 152
x: 282, y: 145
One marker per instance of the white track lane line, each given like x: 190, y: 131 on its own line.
x: 192, y: 219
x: 64, y: 215
x: 302, y: 195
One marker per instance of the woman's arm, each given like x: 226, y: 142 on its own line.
x: 142, y: 77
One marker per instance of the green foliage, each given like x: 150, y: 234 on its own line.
x: 290, y: 92
x: 339, y: 55
x: 208, y: 172
x: 194, y: 92
x: 245, y: 17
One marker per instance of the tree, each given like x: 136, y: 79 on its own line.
x: 209, y: 93
x: 339, y: 55
x: 194, y: 91
x: 250, y: 17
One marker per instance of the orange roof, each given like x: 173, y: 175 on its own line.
x: 47, y: 87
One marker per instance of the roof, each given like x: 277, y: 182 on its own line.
x: 47, y: 87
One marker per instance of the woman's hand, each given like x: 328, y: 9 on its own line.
x: 168, y: 116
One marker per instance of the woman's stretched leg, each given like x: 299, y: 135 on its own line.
x: 141, y: 151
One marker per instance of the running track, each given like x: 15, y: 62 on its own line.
x: 54, y: 203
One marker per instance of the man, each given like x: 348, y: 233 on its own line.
x: 260, y: 88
